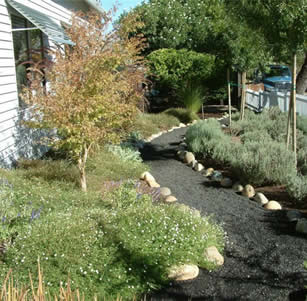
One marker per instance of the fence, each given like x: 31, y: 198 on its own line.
x: 260, y: 100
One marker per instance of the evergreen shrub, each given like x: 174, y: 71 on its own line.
x: 202, y: 136
x: 302, y: 124
x: 296, y: 187
x: 262, y: 162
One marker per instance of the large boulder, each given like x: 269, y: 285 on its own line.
x: 183, y: 272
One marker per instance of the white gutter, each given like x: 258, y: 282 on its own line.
x: 96, y: 4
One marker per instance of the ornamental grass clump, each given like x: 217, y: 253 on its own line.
x: 184, y: 115
x: 192, y: 96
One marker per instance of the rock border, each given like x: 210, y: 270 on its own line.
x: 185, y: 271
x: 226, y: 182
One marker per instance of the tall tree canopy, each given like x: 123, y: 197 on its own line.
x: 284, y: 25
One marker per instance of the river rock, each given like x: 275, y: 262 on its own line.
x: 248, y: 191
x: 189, y: 157
x: 183, y: 145
x: 153, y: 184
x: 199, y: 167
x: 237, y: 187
x: 226, y: 182
x: 170, y: 199
x: 182, y: 125
x: 165, y: 192
x: 272, y: 205
x: 301, y: 226
x: 261, y: 198
x: 183, y: 272
x: 293, y: 215
x: 192, y: 164
x: 213, y: 255
x: 216, y: 176
x: 208, y: 172
x: 147, y: 176
x: 181, y: 154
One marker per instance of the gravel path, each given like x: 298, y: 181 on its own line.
x: 263, y: 256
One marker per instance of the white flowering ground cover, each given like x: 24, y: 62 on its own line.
x: 110, y: 244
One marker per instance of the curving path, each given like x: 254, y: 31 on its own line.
x: 263, y: 256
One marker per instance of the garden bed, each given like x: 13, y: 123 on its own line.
x: 263, y: 256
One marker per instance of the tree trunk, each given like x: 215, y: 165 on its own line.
x: 81, y: 165
x: 229, y: 95
x: 83, y: 179
x: 294, y: 107
x: 301, y: 81
x: 243, y: 95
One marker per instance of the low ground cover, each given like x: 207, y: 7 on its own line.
x: 111, y: 241
x: 254, y: 150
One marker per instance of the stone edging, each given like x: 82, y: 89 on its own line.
x: 185, y: 271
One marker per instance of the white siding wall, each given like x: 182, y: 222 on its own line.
x: 16, y: 140
x: 8, y: 87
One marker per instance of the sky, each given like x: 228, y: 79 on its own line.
x: 121, y: 5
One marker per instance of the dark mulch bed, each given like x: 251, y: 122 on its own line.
x: 263, y: 255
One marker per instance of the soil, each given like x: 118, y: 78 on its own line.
x: 264, y: 254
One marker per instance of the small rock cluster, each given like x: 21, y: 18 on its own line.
x: 216, y: 176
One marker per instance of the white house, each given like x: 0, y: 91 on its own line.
x: 25, y: 25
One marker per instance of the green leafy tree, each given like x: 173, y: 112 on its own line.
x: 207, y: 27
x: 92, y: 87
x: 174, y: 68
x: 183, y: 72
x: 178, y: 23
x: 283, y: 24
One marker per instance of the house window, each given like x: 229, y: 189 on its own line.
x: 28, y: 49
